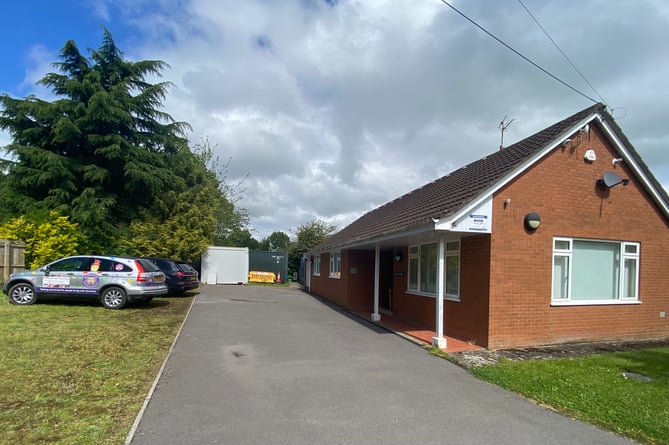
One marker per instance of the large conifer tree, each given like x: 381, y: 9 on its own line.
x: 100, y: 152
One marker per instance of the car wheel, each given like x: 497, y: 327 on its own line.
x: 22, y: 294
x: 114, y: 298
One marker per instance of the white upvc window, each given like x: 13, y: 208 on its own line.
x: 423, y: 264
x: 452, y: 269
x: 414, y: 266
x: 335, y: 264
x: 595, y: 271
x: 317, y: 265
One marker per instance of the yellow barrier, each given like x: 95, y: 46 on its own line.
x: 261, y: 277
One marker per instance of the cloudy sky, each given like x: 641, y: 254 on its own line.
x: 333, y: 107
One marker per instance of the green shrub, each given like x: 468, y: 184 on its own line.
x: 45, y: 241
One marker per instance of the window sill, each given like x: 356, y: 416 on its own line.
x: 336, y: 277
x: 594, y: 302
x: 420, y: 294
x: 429, y: 295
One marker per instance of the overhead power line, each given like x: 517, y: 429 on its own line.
x: 561, y: 52
x: 500, y: 41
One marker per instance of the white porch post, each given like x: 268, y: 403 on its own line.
x: 377, y: 270
x: 439, y: 340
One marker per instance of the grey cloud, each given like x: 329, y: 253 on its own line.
x: 348, y: 106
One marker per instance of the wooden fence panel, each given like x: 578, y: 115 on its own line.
x: 12, y: 258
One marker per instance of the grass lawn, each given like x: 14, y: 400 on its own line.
x: 78, y: 373
x: 592, y: 388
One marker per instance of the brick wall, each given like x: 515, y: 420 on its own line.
x: 334, y: 289
x: 561, y: 188
x: 360, y: 272
x: 466, y: 319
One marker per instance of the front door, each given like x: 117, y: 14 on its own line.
x: 386, y: 280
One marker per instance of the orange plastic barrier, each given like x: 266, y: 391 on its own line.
x: 261, y: 277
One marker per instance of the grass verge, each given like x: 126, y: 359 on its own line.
x: 593, y: 389
x: 78, y: 373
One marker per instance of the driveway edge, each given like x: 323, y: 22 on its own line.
x: 147, y: 399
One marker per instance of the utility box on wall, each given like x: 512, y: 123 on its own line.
x: 12, y: 257
x: 225, y: 265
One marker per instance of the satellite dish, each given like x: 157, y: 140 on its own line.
x: 611, y: 179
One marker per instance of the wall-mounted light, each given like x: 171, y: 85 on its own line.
x: 398, y: 256
x: 584, y: 131
x: 532, y: 221
x: 566, y: 143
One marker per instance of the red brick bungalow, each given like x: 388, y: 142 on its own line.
x: 561, y: 237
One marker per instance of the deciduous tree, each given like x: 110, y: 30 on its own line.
x: 276, y: 242
x: 46, y: 240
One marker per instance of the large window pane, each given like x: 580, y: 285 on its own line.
x: 428, y: 268
x: 595, y: 270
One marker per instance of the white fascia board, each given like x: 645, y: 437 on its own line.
x: 457, y: 219
x: 631, y: 162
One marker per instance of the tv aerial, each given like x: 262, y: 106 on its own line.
x: 502, y: 127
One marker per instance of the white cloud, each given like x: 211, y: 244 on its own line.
x: 100, y: 9
x: 333, y: 110
x: 38, y: 60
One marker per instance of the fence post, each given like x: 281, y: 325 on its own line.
x: 5, y: 261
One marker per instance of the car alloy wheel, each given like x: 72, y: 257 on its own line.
x: 114, y: 298
x: 22, y: 293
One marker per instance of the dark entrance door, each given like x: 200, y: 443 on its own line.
x: 386, y: 280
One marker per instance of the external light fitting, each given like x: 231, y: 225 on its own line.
x: 532, y: 221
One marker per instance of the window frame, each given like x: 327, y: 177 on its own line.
x: 415, y: 251
x: 335, y: 265
x: 317, y: 266
x: 452, y: 253
x: 567, y: 253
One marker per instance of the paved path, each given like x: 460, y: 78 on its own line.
x: 261, y: 365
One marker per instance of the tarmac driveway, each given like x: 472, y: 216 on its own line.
x: 270, y: 365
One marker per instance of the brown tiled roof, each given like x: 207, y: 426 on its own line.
x: 448, y: 194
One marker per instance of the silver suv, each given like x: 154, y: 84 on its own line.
x: 114, y: 281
